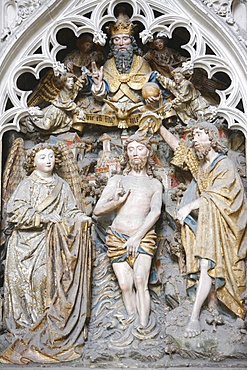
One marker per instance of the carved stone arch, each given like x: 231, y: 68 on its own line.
x: 213, y: 40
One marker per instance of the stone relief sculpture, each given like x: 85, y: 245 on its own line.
x: 162, y: 58
x: 103, y: 101
x: 46, y: 274
x: 188, y: 102
x: 220, y: 200
x: 59, y: 116
x: 136, y: 198
x: 86, y: 53
x: 117, y: 87
x: 125, y: 73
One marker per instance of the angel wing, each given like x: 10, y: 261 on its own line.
x: 70, y: 173
x: 49, y: 86
x: 45, y: 92
x: 204, y: 84
x: 14, y: 171
x: 13, y: 174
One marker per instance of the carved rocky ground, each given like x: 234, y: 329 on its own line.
x: 113, y: 342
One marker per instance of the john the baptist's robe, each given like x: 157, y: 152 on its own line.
x: 220, y: 232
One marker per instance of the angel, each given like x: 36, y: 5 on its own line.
x: 188, y: 102
x: 86, y: 52
x: 58, y: 117
x: 162, y: 58
x: 47, y: 269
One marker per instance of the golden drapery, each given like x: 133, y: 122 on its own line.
x: 221, y: 234
x: 117, y: 253
x: 188, y: 101
x: 129, y: 84
x: 47, y: 275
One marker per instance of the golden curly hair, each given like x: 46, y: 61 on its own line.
x: 29, y: 162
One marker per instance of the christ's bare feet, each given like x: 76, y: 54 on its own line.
x: 192, y: 329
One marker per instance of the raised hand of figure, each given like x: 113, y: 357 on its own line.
x: 120, y: 193
x: 149, y: 121
x: 70, y: 66
x: 97, y: 74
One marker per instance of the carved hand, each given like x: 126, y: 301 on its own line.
x: 97, y: 74
x: 132, y: 245
x: 183, y: 213
x: 52, y: 217
x: 85, y: 218
x: 152, y: 99
x: 120, y: 195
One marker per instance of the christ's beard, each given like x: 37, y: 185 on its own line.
x: 202, y: 150
x: 123, y: 58
x: 137, y: 167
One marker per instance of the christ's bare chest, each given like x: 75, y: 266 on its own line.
x: 139, y: 186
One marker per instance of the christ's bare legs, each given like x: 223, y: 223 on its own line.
x: 134, y: 286
x: 141, y: 275
x: 124, y: 274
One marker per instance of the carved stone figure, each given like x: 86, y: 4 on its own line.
x: 59, y: 116
x: 214, y: 237
x: 79, y: 62
x: 47, y: 273
x: 136, y: 199
x: 162, y: 58
x: 126, y: 94
x: 188, y: 102
x: 86, y: 53
x: 123, y: 76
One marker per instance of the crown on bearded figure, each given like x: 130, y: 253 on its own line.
x: 122, y: 26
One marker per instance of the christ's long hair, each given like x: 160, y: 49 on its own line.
x: 144, y: 140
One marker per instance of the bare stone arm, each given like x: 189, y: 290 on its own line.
x: 171, y: 139
x: 184, y: 211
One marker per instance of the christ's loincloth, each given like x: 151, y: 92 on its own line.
x: 117, y: 253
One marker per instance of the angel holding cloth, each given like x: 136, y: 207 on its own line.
x: 47, y: 273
